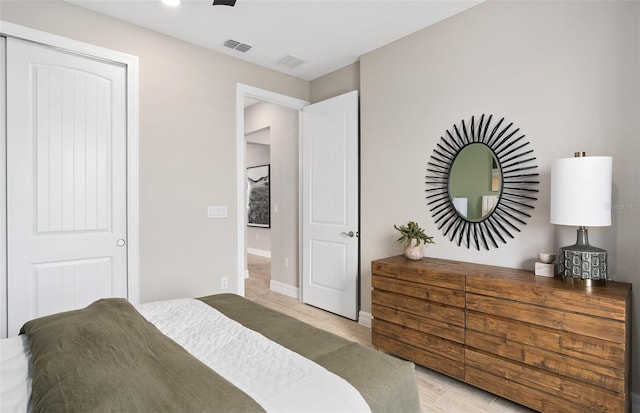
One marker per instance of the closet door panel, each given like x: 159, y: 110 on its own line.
x: 66, y: 183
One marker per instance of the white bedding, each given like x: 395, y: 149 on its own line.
x: 15, y: 375
x: 277, y: 378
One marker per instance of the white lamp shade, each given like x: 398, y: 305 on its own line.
x: 581, y: 191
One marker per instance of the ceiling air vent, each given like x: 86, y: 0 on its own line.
x: 243, y: 47
x: 290, y: 61
x: 236, y: 45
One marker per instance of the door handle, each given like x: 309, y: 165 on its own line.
x: 349, y: 234
x: 120, y: 242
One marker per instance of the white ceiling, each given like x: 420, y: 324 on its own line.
x: 326, y: 34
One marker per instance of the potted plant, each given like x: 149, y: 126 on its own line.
x: 413, y: 239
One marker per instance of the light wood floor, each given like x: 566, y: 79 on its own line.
x: 438, y: 393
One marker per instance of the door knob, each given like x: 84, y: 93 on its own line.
x: 349, y: 234
x: 120, y: 242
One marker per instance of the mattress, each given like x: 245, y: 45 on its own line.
x: 257, y: 358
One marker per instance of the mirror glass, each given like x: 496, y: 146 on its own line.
x: 475, y: 182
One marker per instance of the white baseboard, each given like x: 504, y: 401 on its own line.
x: 285, y: 289
x: 635, y: 403
x: 364, y: 319
x: 261, y: 253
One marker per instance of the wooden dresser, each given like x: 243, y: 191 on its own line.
x: 543, y: 343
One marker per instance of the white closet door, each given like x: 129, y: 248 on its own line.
x: 66, y: 181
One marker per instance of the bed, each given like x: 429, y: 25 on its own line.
x: 221, y: 353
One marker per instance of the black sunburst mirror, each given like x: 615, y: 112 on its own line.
x: 514, y: 185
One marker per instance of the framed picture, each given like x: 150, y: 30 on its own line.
x: 258, y: 197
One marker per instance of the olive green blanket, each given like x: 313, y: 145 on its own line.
x: 108, y: 358
x: 386, y: 383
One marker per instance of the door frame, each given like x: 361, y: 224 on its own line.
x: 131, y: 64
x: 245, y: 91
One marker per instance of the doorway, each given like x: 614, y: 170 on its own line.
x: 325, y: 208
x: 258, y: 195
x: 283, y: 159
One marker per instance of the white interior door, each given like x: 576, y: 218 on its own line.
x: 66, y: 181
x: 330, y: 195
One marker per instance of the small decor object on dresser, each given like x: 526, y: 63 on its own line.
x: 545, y: 266
x: 413, y: 239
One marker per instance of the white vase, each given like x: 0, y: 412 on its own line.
x: 413, y: 251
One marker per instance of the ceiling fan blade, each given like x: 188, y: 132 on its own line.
x: 224, y: 3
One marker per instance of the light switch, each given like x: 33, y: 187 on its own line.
x: 217, y: 211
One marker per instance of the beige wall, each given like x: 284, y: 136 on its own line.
x: 336, y: 83
x: 566, y: 73
x: 283, y: 125
x: 187, y: 144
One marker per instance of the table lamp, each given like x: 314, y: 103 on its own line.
x: 581, y: 196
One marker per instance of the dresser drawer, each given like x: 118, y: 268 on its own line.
x: 427, y: 292
x: 420, y: 340
x: 439, y: 274
x: 560, y: 320
x: 600, y: 355
x: 553, y: 386
x: 426, y: 358
x: 526, y: 395
x: 411, y: 305
x: 425, y: 324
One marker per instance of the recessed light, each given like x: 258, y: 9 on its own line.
x: 171, y: 3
